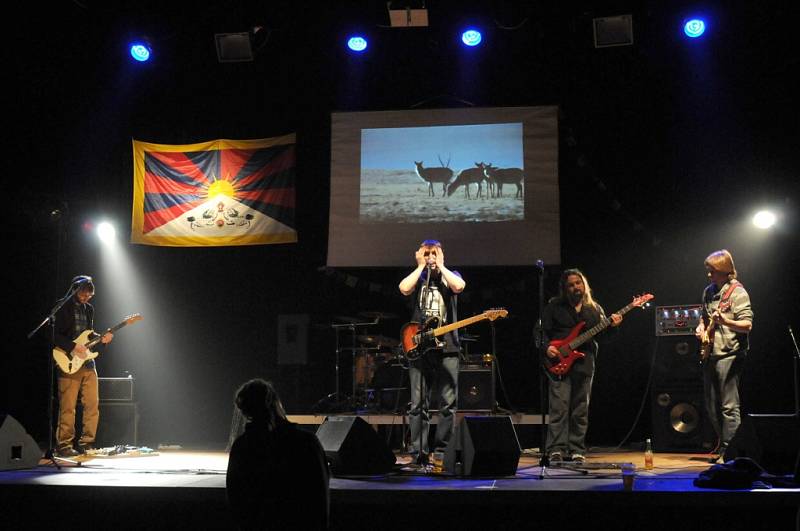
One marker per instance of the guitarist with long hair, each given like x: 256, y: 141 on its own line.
x: 723, y: 334
x: 74, y: 317
x: 432, y: 289
x: 569, y: 395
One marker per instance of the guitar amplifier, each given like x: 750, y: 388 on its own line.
x: 476, y: 388
x: 678, y: 320
x: 116, y: 389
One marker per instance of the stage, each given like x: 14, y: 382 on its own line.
x: 178, y: 488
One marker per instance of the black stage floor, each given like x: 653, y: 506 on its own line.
x: 179, y: 489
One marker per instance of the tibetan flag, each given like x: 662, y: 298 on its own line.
x: 218, y: 193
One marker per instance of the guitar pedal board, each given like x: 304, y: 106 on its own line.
x: 680, y: 320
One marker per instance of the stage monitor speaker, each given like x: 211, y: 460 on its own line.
x: 680, y: 422
x: 483, y: 446
x: 773, y: 441
x: 17, y: 448
x: 119, y: 424
x: 475, y: 389
x: 353, y: 447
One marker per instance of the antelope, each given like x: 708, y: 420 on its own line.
x: 497, y: 177
x: 441, y: 174
x: 467, y: 177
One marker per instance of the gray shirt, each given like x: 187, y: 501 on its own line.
x: 727, y: 341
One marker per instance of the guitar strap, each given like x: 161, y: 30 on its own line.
x: 729, y: 291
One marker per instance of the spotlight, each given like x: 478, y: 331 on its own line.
x: 106, y: 232
x: 764, y: 219
x: 140, y: 51
x: 694, y: 28
x: 357, y: 43
x: 471, y: 37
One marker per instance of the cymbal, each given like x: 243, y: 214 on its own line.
x: 380, y: 341
x: 378, y: 315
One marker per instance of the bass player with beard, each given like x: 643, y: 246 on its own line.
x: 569, y: 395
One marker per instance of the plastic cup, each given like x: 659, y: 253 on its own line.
x: 628, y: 475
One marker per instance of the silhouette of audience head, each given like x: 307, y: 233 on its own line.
x: 258, y: 401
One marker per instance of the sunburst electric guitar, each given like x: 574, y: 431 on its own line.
x: 567, y: 353
x: 418, y: 338
x: 71, y: 362
x: 707, y: 339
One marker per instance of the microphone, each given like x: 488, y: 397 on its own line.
x: 540, y: 265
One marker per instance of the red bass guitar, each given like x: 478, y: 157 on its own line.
x: 567, y: 353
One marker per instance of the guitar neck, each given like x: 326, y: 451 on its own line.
x: 458, y: 324
x: 113, y: 329
x: 596, y: 329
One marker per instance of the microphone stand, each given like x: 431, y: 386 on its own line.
x: 541, y: 344
x: 421, y: 369
x: 51, y: 319
x: 795, y: 359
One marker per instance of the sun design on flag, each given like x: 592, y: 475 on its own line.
x: 221, y: 187
x: 219, y: 215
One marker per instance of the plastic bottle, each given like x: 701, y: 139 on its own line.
x: 648, y: 455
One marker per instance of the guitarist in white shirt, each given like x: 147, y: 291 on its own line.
x: 727, y: 321
x: 74, y: 317
x: 433, y: 288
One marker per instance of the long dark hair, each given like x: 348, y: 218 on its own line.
x: 259, y: 401
x: 587, y: 300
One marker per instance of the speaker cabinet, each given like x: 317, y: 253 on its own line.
x: 483, y: 446
x: 17, y: 449
x: 773, y: 441
x: 119, y: 424
x: 475, y: 389
x: 353, y: 447
x: 680, y: 422
x: 677, y: 361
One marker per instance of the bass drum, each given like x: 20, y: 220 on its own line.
x: 389, y: 386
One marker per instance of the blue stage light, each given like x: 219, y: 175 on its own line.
x: 471, y: 37
x: 694, y: 28
x: 140, y: 51
x: 357, y: 43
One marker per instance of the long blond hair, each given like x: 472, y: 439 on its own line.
x: 721, y: 261
x: 587, y: 299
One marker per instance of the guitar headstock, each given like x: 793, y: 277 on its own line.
x: 642, y: 299
x: 133, y: 318
x: 495, y: 313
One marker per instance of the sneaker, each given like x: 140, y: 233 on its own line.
x: 556, y: 457
x: 578, y: 458
x: 67, y: 452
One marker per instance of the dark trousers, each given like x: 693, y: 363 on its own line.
x: 721, y: 377
x: 432, y: 370
x: 569, y: 409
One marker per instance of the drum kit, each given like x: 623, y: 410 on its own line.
x: 370, y: 353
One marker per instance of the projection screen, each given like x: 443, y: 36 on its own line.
x: 483, y: 181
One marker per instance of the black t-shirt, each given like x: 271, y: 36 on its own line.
x: 435, y: 297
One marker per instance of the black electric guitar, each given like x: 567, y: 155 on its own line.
x: 417, y: 338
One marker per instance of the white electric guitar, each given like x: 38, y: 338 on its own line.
x: 70, y: 362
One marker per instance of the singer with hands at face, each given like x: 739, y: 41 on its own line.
x: 432, y: 290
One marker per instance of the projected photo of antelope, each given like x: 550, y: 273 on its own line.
x: 441, y: 174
